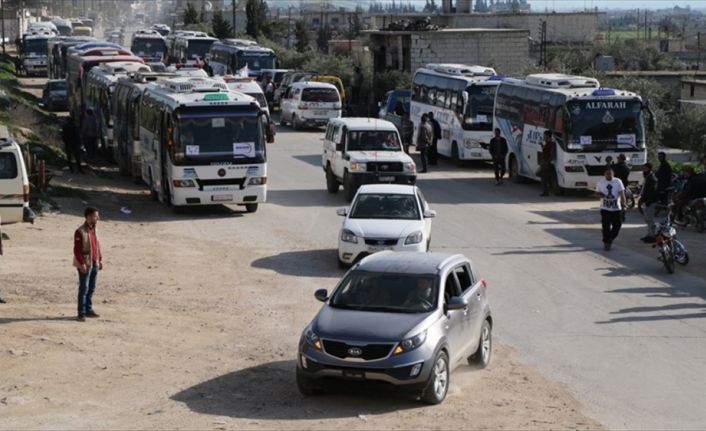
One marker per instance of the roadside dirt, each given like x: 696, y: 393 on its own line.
x: 194, y: 334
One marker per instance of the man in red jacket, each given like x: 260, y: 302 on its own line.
x: 88, y: 260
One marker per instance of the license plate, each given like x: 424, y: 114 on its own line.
x: 387, y: 178
x: 375, y: 249
x: 354, y: 374
x: 221, y: 198
x: 320, y: 113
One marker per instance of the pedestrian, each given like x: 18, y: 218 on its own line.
x: 546, y: 169
x: 72, y: 145
x: 424, y: 140
x: 648, y: 201
x: 436, y: 129
x: 356, y: 84
x: 89, y: 133
x: 612, y: 194
x: 269, y: 91
x: 88, y: 260
x: 498, y: 152
x: 622, y: 170
x: 664, y: 177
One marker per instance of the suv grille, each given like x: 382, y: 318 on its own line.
x: 384, y: 166
x: 380, y: 241
x: 368, y: 351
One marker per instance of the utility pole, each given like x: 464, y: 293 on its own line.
x: 638, y: 24
x: 350, y: 35
x: 698, y: 48
x: 234, y: 25
x: 2, y: 11
x: 289, y: 26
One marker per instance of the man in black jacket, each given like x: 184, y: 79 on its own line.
x: 622, y: 170
x: 648, y: 201
x: 72, y: 145
x: 664, y: 177
x: 498, y: 151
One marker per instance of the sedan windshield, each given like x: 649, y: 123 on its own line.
x: 386, y: 292
x: 385, y: 206
x: 372, y: 140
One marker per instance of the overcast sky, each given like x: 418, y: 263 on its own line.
x: 540, y: 5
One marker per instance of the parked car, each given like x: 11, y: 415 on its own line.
x: 55, y: 95
x: 310, y: 103
x: 364, y: 151
x: 406, y: 319
x: 395, y: 109
x: 384, y: 217
x: 14, y: 182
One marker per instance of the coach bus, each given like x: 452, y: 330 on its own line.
x: 591, y: 126
x: 461, y: 98
x: 231, y: 55
x: 190, y: 48
x: 203, y: 144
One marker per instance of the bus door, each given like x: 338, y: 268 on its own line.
x: 164, y: 139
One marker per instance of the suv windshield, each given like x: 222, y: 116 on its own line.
x: 327, y: 95
x: 386, y: 292
x: 385, y: 206
x: 598, y: 125
x: 373, y: 140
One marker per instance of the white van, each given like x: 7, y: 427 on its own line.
x: 310, y: 103
x: 14, y: 183
x: 248, y: 86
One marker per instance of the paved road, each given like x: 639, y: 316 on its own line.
x: 625, y: 338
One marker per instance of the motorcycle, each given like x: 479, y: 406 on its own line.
x: 695, y: 215
x: 670, y: 249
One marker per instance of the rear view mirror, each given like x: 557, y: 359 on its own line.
x: 321, y: 295
x: 429, y: 213
x: 342, y: 211
x: 456, y: 303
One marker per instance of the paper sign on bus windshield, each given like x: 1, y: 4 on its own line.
x: 246, y: 149
x: 192, y: 150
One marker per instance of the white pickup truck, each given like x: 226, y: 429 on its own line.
x: 364, y: 151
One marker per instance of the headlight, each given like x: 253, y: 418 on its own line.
x: 411, y: 343
x: 410, y: 167
x: 184, y: 183
x: 468, y: 143
x: 413, y: 238
x: 313, y: 339
x: 257, y: 181
x: 575, y: 168
x: 357, y: 167
x: 348, y: 236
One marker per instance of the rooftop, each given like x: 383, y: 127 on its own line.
x: 447, y: 31
x: 406, y: 262
x: 362, y: 123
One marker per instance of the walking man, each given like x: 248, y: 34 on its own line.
x: 612, y: 194
x: 72, y: 145
x: 648, y: 201
x: 498, y: 151
x: 547, y: 167
x: 424, y: 140
x: 664, y: 176
x: 89, y: 133
x: 436, y: 129
x: 88, y: 260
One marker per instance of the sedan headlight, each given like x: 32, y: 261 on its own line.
x: 413, y: 238
x: 313, y: 339
x: 358, y: 167
x: 348, y: 236
x: 411, y: 343
x: 410, y: 167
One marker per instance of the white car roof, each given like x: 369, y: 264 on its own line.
x: 313, y: 84
x: 363, y: 123
x: 393, y: 189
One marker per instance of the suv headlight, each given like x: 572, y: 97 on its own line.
x: 348, y: 236
x: 410, y: 167
x: 413, y: 238
x: 358, y: 167
x: 410, y: 343
x: 313, y: 339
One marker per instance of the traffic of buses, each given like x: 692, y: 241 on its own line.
x: 173, y: 111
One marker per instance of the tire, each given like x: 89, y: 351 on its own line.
x: 700, y: 223
x: 251, y: 208
x: 514, y: 172
x: 454, y: 153
x: 348, y: 187
x: 153, y: 193
x: 667, y: 258
x: 438, y: 383
x: 681, y: 256
x: 481, y: 357
x: 341, y: 264
x: 331, y: 181
x: 428, y: 244
x: 308, y: 386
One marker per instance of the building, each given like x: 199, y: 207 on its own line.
x: 507, y: 50
x: 671, y: 80
x: 693, y: 89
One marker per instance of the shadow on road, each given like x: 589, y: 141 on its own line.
x: 302, y: 263
x: 269, y: 391
x: 539, y: 249
x: 5, y: 320
x: 306, y: 197
x: 312, y: 159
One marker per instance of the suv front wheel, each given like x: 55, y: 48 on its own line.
x: 348, y: 186
x: 438, y: 383
x: 481, y: 357
x: 331, y: 181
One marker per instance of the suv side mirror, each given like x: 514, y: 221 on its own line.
x: 429, y: 213
x: 456, y: 303
x: 342, y: 211
x: 321, y: 295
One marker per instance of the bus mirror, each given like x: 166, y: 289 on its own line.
x: 464, y: 96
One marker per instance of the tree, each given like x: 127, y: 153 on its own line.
x: 191, y: 15
x: 691, y: 129
x: 322, y: 38
x: 302, y: 35
x: 256, y: 12
x: 221, y: 28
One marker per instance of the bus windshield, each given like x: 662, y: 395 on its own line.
x: 597, y: 125
x: 151, y: 47
x: 479, y: 112
x: 257, y: 61
x: 35, y: 46
x: 206, y: 135
x: 198, y: 48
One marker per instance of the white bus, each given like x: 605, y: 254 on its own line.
x: 190, y: 48
x: 203, y: 144
x: 590, y: 125
x: 461, y: 98
x: 231, y: 55
x: 149, y: 45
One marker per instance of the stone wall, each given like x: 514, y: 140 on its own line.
x: 693, y: 89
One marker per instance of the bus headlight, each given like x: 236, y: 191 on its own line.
x: 257, y: 181
x: 184, y: 183
x: 471, y: 143
x: 573, y: 168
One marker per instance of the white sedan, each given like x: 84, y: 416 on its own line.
x: 384, y: 217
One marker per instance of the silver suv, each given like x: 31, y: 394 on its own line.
x: 403, y: 318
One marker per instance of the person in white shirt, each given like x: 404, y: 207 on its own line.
x: 612, y: 193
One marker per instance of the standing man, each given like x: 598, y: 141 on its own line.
x: 270, y: 91
x: 664, y: 177
x: 622, y: 170
x: 89, y: 133
x: 547, y: 167
x: 88, y: 260
x: 498, y: 151
x: 72, y: 145
x: 424, y: 140
x: 436, y: 130
x: 612, y: 194
x: 648, y: 201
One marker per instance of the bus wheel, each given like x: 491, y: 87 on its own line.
x: 153, y: 193
x: 454, y: 154
x: 514, y: 172
x: 251, y: 208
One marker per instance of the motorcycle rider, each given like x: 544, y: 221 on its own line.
x: 694, y: 188
x: 648, y: 201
